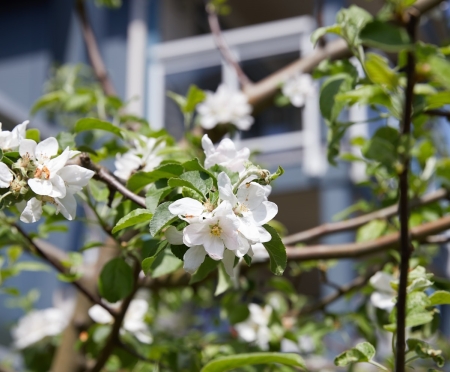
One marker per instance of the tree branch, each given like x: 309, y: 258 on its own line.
x: 405, y: 244
x: 330, y: 228
x: 102, y: 174
x: 444, y: 114
x: 267, y: 88
x: 223, y: 47
x: 93, y: 50
x: 53, y: 261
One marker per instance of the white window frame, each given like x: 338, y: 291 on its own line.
x: 252, y: 42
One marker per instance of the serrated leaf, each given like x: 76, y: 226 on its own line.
x: 155, y: 193
x: 96, y: 124
x: 232, y: 362
x: 363, y: 352
x: 141, y: 179
x: 165, y: 263
x: 161, y: 218
x: 116, y: 280
x: 133, y: 218
x: 276, y: 250
x: 194, y: 165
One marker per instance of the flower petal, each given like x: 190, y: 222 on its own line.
x: 32, y: 212
x: 59, y: 187
x: 228, y: 262
x: 193, y: 258
x: 174, y: 236
x: 67, y: 206
x: 40, y: 187
x: 27, y: 149
x: 214, y: 247
x: 265, y: 212
x: 56, y: 164
x: 6, y: 176
x: 100, y: 315
x: 46, y: 149
x: 207, y: 145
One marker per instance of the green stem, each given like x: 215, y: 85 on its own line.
x: 411, y: 359
x: 378, y: 365
x: 253, y: 172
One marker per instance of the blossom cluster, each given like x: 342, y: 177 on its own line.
x: 231, y: 226
x: 38, y: 175
x: 225, y: 106
x: 298, y: 89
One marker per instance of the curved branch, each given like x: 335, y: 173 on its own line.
x: 223, y: 47
x: 93, y: 50
x: 330, y: 228
x: 102, y: 174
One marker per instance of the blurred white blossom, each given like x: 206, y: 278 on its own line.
x: 10, y: 141
x: 225, y: 106
x: 298, y: 89
x: 384, y: 294
x: 256, y: 328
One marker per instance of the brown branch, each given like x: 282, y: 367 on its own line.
x: 113, y: 339
x: 405, y: 244
x: 437, y: 239
x: 223, y: 47
x: 441, y: 113
x: 53, y: 261
x: 267, y: 88
x: 355, y: 284
x: 102, y: 174
x: 330, y: 228
x: 93, y: 51
x: 353, y: 250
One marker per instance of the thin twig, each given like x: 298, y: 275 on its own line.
x: 133, y: 352
x: 93, y: 50
x: 356, y: 283
x: 405, y: 244
x: 330, y: 228
x: 102, y: 174
x: 437, y: 239
x: 35, y: 248
x: 445, y: 114
x: 223, y: 47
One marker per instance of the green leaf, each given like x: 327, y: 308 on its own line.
x: 322, y: 31
x: 352, y: 20
x: 379, y: 72
x: 66, y: 139
x: 329, y: 108
x: 424, y: 350
x: 385, y: 36
x: 31, y: 266
x: 47, y: 100
x: 93, y: 123
x: 155, y: 193
x: 365, y: 94
x: 224, y: 283
x: 164, y: 264
x: 116, y: 280
x: 161, y: 218
x: 440, y: 298
x: 363, y: 352
x: 208, y: 266
x: 278, y: 173
x: 371, y: 231
x: 383, y: 146
x: 232, y: 362
x: 133, y: 218
x: 440, y: 69
x: 141, y: 179
x: 276, y: 250
x: 194, y: 165
x: 194, y: 96
x: 198, y: 181
x: 33, y: 134
x: 437, y: 100
x: 178, y: 99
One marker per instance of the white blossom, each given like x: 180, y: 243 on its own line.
x: 225, y: 154
x: 37, y: 325
x: 225, y: 106
x: 256, y: 327
x: 214, y: 233
x: 189, y: 210
x: 133, y: 321
x: 298, y: 89
x: 6, y: 176
x: 46, y: 180
x: 144, y: 156
x: 10, y: 141
x: 384, y: 293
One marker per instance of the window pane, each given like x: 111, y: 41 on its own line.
x: 272, y: 120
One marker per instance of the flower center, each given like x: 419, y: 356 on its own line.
x: 216, y: 230
x: 42, y: 173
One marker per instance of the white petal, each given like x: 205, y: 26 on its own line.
x: 245, y: 331
x: 27, y: 149
x: 174, y: 236
x: 46, y: 149
x: 32, y: 212
x: 100, y: 315
x: 40, y: 187
x: 228, y: 262
x: 382, y: 300
x: 214, y: 247
x: 186, y: 207
x: 193, y: 258
x: 225, y: 188
x: 67, y: 206
x: 265, y: 212
x: 251, y: 195
x: 56, y: 164
x: 264, y: 235
x: 76, y: 176
x: 6, y: 176
x: 195, y: 234
x: 382, y: 282
x: 207, y: 145
x: 144, y: 336
x: 59, y: 187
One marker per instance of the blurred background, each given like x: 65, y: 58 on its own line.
x: 151, y: 46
